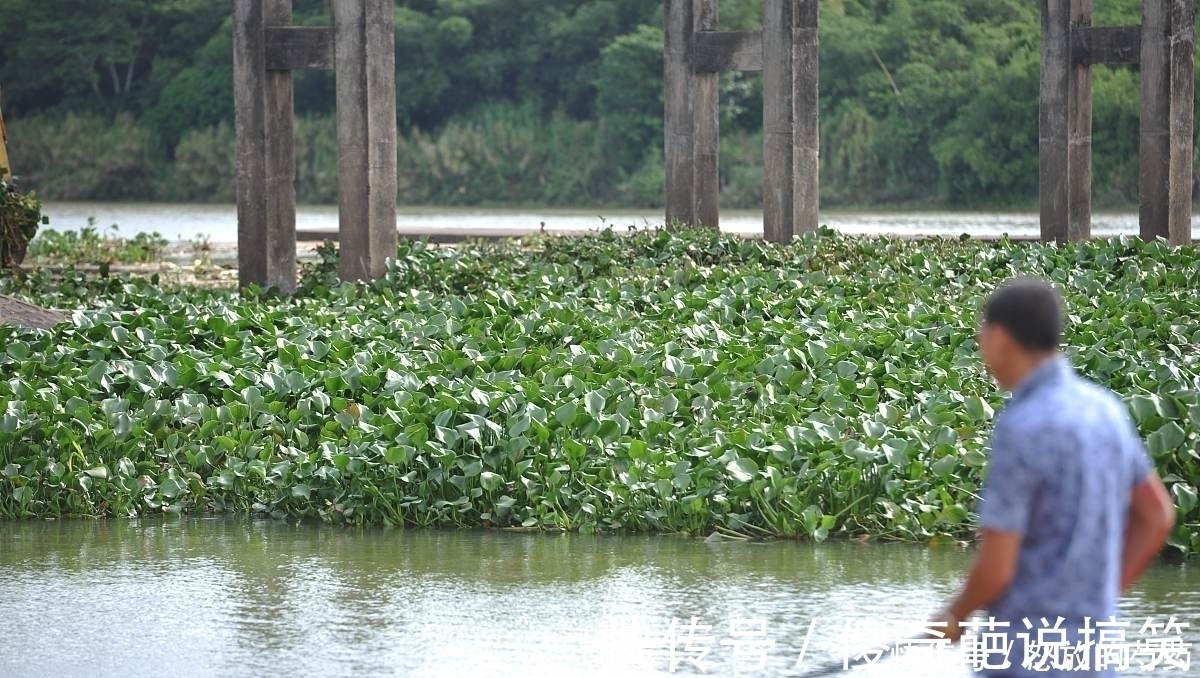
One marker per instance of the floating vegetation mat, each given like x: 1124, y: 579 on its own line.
x: 683, y: 382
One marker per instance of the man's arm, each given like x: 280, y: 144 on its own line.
x: 1151, y: 517
x: 992, y: 572
x: 1009, y: 492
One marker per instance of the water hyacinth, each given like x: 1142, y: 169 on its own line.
x: 656, y: 381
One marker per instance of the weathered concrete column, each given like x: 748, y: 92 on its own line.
x: 1168, y: 109
x: 1054, y: 158
x: 787, y: 51
x: 778, y: 119
x: 365, y: 65
x: 806, y: 117
x: 706, y: 107
x: 266, y: 192
x: 1164, y: 48
x: 1079, y: 132
x: 1182, y: 120
x: 1155, y: 151
x: 680, y: 129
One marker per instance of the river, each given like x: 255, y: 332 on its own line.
x: 218, y: 223
x: 232, y: 598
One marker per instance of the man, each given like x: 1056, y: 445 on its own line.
x: 1072, y: 511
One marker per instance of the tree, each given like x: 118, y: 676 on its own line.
x: 63, y: 50
x: 629, y: 86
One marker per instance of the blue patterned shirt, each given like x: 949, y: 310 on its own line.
x: 1065, y: 458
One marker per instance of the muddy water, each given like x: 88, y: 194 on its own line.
x: 216, y: 597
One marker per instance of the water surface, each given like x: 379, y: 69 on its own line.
x: 219, y: 222
x: 218, y: 597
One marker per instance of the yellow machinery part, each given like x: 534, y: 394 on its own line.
x: 4, y: 166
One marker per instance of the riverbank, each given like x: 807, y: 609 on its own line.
x: 657, y: 382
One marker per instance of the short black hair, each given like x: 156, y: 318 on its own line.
x: 1030, y: 310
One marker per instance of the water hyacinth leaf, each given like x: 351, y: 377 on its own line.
x: 743, y: 470
x: 974, y: 458
x: 1166, y: 439
x: 123, y: 426
x: 857, y: 451
x: 895, y: 450
x: 637, y: 449
x: 609, y: 430
x: 817, y: 349
x: 1185, y: 497
x: 113, y: 406
x: 670, y: 404
x: 565, y: 414
x: 663, y: 487
x: 97, y: 372
x: 397, y: 455
x: 490, y: 481
x: 9, y: 423
x: 18, y: 350
x: 171, y: 488
x: 274, y: 382
x: 594, y: 403
x: 946, y: 436
x: 227, y: 479
x: 811, y: 518
x: 781, y: 453
x: 517, y: 445
x: 977, y: 408
x: 126, y: 467
x: 1143, y: 407
x: 945, y: 466
x: 874, y: 429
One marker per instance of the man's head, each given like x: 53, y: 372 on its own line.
x: 1022, y: 326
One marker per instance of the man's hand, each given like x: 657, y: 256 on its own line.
x: 993, y: 571
x: 944, y: 625
x: 1151, y: 517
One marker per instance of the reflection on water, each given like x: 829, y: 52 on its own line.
x: 219, y: 222
x: 221, y: 597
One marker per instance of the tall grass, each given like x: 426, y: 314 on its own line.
x: 85, y: 157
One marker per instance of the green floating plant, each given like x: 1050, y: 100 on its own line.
x: 682, y: 381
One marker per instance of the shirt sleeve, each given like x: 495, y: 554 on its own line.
x: 1011, y: 485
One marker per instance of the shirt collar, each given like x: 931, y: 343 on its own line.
x: 1051, y: 370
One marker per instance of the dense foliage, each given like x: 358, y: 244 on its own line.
x: 20, y: 218
x: 89, y: 245
x: 655, y: 381
x: 552, y: 102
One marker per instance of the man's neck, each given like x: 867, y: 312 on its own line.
x: 1030, y: 364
